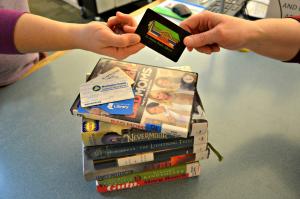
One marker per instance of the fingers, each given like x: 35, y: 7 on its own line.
x: 201, y: 39
x: 209, y: 49
x: 122, y: 19
x: 123, y: 40
x: 127, y: 18
x: 129, y: 29
x: 122, y: 53
x: 199, y: 22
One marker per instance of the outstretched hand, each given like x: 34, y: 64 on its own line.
x: 210, y: 31
x: 116, y: 38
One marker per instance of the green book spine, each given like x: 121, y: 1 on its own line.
x: 190, y: 169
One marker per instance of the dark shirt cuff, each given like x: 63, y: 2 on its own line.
x: 296, y: 59
x: 8, y: 20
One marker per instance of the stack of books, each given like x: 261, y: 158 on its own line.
x: 163, y: 138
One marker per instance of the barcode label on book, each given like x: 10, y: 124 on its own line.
x: 193, y: 169
x: 136, y: 159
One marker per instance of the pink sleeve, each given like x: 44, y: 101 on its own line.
x: 8, y: 20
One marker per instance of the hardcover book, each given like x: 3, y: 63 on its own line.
x: 153, y: 156
x: 114, y: 151
x: 137, y: 163
x: 163, y: 98
x: 192, y: 169
x: 140, y: 183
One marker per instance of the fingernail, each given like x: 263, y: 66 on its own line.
x: 135, y: 39
x: 119, y: 13
x: 187, y: 41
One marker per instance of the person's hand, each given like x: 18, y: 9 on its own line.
x: 210, y: 31
x: 100, y: 37
x: 122, y: 23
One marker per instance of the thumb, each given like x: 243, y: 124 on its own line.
x: 124, y: 40
x: 129, y: 29
x: 200, y: 39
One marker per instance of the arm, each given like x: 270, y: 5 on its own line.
x: 33, y: 33
x: 276, y: 38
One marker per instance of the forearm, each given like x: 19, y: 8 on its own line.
x: 276, y: 38
x: 35, y: 34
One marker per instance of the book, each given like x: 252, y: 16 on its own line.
x: 163, y: 98
x: 95, y: 132
x: 142, y: 162
x: 140, y: 183
x: 100, y: 152
x: 191, y: 169
x: 153, y: 156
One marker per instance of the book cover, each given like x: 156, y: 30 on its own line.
x: 139, y: 183
x: 163, y: 98
x: 191, y: 169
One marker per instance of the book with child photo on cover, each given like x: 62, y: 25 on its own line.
x: 163, y: 98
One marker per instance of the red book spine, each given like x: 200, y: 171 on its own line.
x: 102, y: 188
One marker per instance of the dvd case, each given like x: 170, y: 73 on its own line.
x: 95, y: 132
x: 163, y: 98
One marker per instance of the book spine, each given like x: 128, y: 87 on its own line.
x: 126, y: 170
x: 199, y: 128
x: 167, y: 129
x: 159, y: 156
x: 138, y: 183
x: 191, y: 169
x: 126, y: 149
x: 95, y: 132
x: 113, y: 121
x: 141, y: 168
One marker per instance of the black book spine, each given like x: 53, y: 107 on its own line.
x: 158, y: 157
x: 126, y: 149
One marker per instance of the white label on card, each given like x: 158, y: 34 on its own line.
x: 105, y: 91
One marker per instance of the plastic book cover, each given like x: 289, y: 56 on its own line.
x: 163, y: 98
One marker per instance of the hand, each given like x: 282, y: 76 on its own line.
x: 210, y: 31
x: 99, y: 37
x: 122, y: 23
